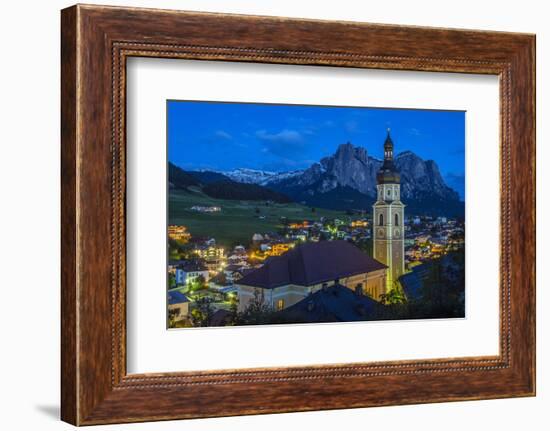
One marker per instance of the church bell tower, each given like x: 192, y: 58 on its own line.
x: 388, y: 218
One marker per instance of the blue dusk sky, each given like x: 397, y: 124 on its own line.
x: 225, y: 136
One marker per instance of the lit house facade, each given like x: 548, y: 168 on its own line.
x: 287, y: 279
x: 213, y: 256
x: 388, y: 218
x: 178, y: 233
x: 190, y: 273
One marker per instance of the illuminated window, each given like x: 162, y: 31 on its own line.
x: 280, y: 304
x: 396, y: 219
x: 381, y: 220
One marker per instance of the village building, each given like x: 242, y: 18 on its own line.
x: 257, y: 237
x: 188, y: 272
x: 210, y: 242
x: 178, y: 233
x: 178, y: 306
x: 206, y: 209
x: 335, y: 303
x: 287, y: 279
x: 279, y: 248
x: 233, y: 272
x: 239, y: 250
x: 236, y: 259
x: 213, y: 256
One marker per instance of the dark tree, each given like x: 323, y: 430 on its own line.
x: 202, y: 313
x: 257, y: 312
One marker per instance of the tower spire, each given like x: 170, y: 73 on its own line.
x: 388, y: 173
x: 388, y: 218
x: 388, y: 147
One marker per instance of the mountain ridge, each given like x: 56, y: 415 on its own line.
x: 346, y: 180
x: 423, y: 188
x: 219, y: 186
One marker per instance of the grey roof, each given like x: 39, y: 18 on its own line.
x: 188, y: 265
x: 336, y: 303
x: 176, y: 298
x: 233, y: 267
x: 220, y: 317
x: 312, y: 263
x: 413, y: 282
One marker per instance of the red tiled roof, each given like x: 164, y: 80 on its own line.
x: 312, y: 263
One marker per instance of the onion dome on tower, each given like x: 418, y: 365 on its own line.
x: 388, y: 173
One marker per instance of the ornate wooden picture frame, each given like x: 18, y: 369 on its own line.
x: 96, y: 41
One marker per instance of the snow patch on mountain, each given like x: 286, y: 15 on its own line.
x: 261, y: 177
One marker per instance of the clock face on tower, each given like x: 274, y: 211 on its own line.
x: 380, y: 233
x: 396, y: 233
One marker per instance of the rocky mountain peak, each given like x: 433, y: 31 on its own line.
x: 351, y: 168
x: 347, y: 151
x: 406, y: 154
x: 360, y: 154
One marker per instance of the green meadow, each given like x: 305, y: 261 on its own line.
x: 238, y: 220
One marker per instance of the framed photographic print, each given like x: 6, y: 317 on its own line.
x: 274, y: 218
x: 253, y: 205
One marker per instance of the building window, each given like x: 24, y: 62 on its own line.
x: 280, y: 304
x: 381, y: 220
x: 397, y: 219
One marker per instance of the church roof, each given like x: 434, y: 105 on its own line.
x: 312, y: 263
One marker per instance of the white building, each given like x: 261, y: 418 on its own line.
x: 186, y: 274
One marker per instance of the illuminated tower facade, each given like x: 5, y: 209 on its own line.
x: 388, y: 218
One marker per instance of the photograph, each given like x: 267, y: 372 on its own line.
x: 288, y: 214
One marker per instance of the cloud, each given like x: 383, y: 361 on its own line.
x: 223, y: 135
x: 414, y: 131
x: 287, y: 143
x: 285, y: 135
